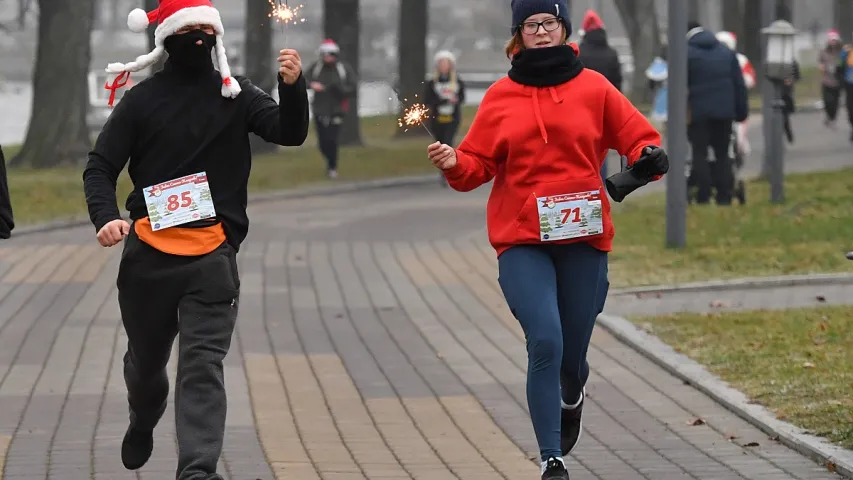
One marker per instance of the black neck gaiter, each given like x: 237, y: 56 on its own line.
x: 545, y: 67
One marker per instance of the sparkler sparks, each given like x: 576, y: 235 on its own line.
x: 284, y: 13
x: 414, y: 115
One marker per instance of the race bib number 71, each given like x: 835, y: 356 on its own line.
x: 571, y: 215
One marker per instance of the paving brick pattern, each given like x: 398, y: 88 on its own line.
x: 373, y: 343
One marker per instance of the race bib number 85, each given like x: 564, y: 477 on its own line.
x: 179, y: 201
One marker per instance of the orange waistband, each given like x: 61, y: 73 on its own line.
x: 188, y: 242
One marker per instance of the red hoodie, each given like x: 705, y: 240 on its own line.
x: 544, y: 147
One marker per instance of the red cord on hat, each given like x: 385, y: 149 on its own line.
x: 119, y: 82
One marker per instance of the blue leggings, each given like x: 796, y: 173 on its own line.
x: 555, y: 292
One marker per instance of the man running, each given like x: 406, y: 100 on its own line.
x: 185, y: 132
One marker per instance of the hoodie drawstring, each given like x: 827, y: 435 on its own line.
x: 537, y: 112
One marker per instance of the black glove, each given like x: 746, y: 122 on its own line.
x: 652, y: 162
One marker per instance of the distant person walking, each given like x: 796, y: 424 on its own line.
x: 444, y: 96
x: 829, y: 62
x: 597, y: 54
x: 333, y: 83
x: 717, y: 97
x: 845, y: 74
x: 7, y: 223
x: 788, y: 98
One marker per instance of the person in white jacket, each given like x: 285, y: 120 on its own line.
x: 729, y: 39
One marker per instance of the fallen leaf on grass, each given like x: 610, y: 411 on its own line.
x: 696, y: 421
x: 831, y: 467
x: 808, y: 365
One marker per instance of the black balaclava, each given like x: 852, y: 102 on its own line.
x: 186, y: 55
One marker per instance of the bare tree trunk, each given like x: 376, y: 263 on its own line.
x: 844, y: 18
x: 785, y: 10
x: 641, y: 24
x: 23, y: 8
x: 149, y: 6
x: 694, y: 12
x: 58, y: 132
x: 751, y: 43
x: 341, y: 23
x: 412, y: 51
x: 259, y: 59
x: 113, y: 21
x: 733, y: 17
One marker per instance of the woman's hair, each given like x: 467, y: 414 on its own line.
x: 516, y: 43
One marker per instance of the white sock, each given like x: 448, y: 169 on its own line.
x: 545, y: 463
x: 566, y: 406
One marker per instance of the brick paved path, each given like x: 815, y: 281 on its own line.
x: 373, y: 342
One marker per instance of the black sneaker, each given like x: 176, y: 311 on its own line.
x: 136, y: 448
x: 555, y: 469
x: 571, y: 426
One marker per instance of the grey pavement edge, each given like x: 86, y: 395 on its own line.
x: 696, y: 375
x: 742, y: 283
x: 347, y: 187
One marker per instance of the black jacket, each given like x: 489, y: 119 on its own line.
x: 7, y: 222
x: 340, y: 82
x: 596, y: 54
x: 437, y: 98
x: 172, y: 125
x: 714, y: 80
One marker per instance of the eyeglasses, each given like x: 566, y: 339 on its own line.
x: 532, y: 28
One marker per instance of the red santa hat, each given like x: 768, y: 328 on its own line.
x: 591, y: 21
x: 171, y: 16
x: 329, y: 47
x: 833, y: 35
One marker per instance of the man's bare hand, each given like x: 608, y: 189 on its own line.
x: 113, y: 233
x: 290, y: 65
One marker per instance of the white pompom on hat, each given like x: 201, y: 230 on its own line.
x: 171, y: 16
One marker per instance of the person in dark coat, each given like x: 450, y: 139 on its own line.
x: 597, y: 54
x: 334, y: 82
x: 717, y: 98
x: 7, y: 223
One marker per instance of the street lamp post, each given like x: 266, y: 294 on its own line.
x: 779, y: 68
x: 676, y: 134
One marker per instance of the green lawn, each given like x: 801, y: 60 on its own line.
x: 797, y: 362
x: 809, y: 233
x: 41, y: 195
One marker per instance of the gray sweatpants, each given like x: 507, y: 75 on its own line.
x: 196, y: 299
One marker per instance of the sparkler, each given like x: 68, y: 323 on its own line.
x: 413, y: 115
x: 285, y: 14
